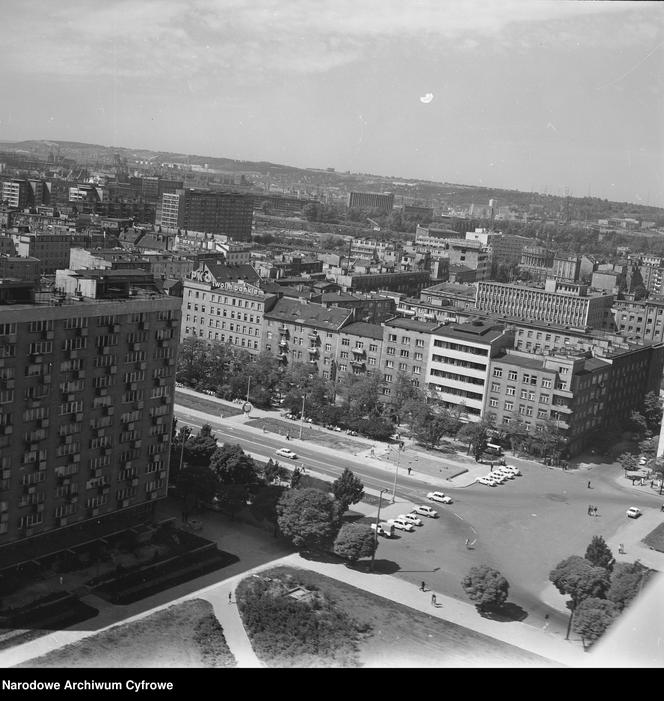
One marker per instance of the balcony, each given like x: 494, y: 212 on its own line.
x: 358, y: 364
x: 283, y: 343
x: 359, y: 352
x: 283, y: 330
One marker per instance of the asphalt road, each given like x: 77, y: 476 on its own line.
x: 523, y: 527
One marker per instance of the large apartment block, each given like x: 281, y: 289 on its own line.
x: 565, y: 304
x: 371, y: 200
x: 406, y: 345
x: 212, y: 212
x: 460, y: 357
x: 360, y: 351
x: 640, y: 321
x: 86, y: 408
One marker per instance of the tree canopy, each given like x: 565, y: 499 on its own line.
x: 599, y: 554
x: 196, y: 484
x: 347, y: 489
x: 626, y: 580
x: 593, y: 616
x: 579, y: 579
x: 355, y: 541
x: 309, y: 517
x: 486, y: 587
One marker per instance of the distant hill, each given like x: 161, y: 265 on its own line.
x: 453, y: 194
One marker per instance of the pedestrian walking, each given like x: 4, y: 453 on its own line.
x: 433, y: 599
x: 230, y: 597
x: 491, y: 470
x: 410, y: 469
x: 588, y: 484
x: 467, y: 541
x: 61, y: 580
x: 621, y: 549
x: 546, y: 621
x: 590, y: 509
x: 423, y: 587
x: 595, y: 511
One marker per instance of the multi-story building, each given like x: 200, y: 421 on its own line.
x: 19, y: 268
x: 371, y: 200
x: 470, y: 254
x: 373, y: 248
x: 459, y: 297
x: 360, y: 350
x: 297, y: 330
x: 537, y: 261
x: 566, y: 268
x: 15, y: 193
x: 53, y: 250
x: 568, y: 390
x: 406, y: 345
x: 411, y: 282
x: 372, y: 308
x: 210, y: 211
x: 500, y: 247
x: 459, y: 361
x: 565, y: 304
x: 86, y: 409
x: 225, y: 303
x: 640, y: 321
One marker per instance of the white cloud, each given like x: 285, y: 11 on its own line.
x: 238, y: 40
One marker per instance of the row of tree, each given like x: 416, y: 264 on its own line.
x: 598, y: 587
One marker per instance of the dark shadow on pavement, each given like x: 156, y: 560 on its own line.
x: 507, y: 613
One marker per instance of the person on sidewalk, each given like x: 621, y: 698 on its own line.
x: 410, y: 469
x: 230, y: 597
x: 433, y: 600
x: 423, y: 587
x: 589, y: 484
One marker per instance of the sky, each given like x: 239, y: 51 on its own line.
x: 521, y: 94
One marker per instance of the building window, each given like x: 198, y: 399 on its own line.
x: 328, y: 347
x: 391, y: 351
x: 387, y: 378
x: 541, y: 413
x: 389, y: 363
x: 493, y: 402
x: 344, y: 355
x: 510, y: 391
x: 403, y: 366
x: 417, y: 370
x: 345, y: 342
x: 546, y: 384
x: 404, y: 353
x: 419, y: 342
x: 509, y: 406
x: 524, y: 394
x: 495, y: 386
x: 373, y: 347
x: 511, y: 375
x: 544, y: 398
x: 418, y: 356
x: 392, y: 337
x: 497, y: 372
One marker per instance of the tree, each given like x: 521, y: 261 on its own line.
x: 271, y: 471
x: 232, y: 497
x: 403, y: 393
x: 652, y: 411
x: 233, y: 466
x: 198, y: 449
x: 599, y: 554
x: 431, y: 430
x: 593, y: 617
x: 627, y: 579
x: 309, y: 517
x: 638, y: 423
x: 354, y: 541
x: 195, y: 485
x: 476, y: 433
x: 486, y: 587
x: 264, y: 504
x: 580, y: 580
x: 347, y: 489
x: 628, y: 462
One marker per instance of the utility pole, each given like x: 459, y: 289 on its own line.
x: 248, y: 385
x: 380, y: 501
x: 396, y: 470
x: 185, y: 431
x: 302, y: 417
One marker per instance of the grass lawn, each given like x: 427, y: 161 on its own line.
x: 330, y: 439
x: 182, y: 635
x: 655, y: 539
x: 398, y: 636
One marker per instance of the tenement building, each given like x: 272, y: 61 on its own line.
x: 86, y: 408
x: 568, y: 391
x: 225, y: 303
x: 406, y: 345
x: 360, y: 350
x: 640, y: 321
x: 565, y: 304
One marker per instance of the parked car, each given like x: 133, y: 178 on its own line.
x: 633, y: 512
x: 285, y: 453
x: 401, y: 524
x: 486, y: 481
x: 385, y: 529
x: 643, y: 460
x: 511, y: 468
x: 508, y: 474
x: 425, y: 511
x: 411, y: 518
x: 498, y: 479
x: 439, y: 496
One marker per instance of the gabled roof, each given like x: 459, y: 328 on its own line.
x: 308, y: 314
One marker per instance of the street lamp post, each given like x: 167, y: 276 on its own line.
x: 248, y: 385
x: 185, y: 432
x: 380, y: 501
x: 302, y: 417
x: 396, y: 470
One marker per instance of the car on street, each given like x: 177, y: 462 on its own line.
x: 410, y: 518
x: 384, y: 529
x: 633, y: 512
x: 439, y: 496
x: 425, y: 511
x: 401, y: 524
x: 285, y: 453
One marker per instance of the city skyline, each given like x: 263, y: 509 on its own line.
x: 561, y: 97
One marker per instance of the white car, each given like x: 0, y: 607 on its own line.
x: 496, y: 477
x: 486, y: 481
x: 425, y: 511
x: 401, y: 524
x: 633, y: 512
x: 439, y: 496
x: 285, y: 453
x: 384, y: 529
x: 643, y: 460
x: 510, y: 468
x: 410, y: 518
x: 508, y: 474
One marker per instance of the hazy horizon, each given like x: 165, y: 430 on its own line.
x: 533, y: 96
